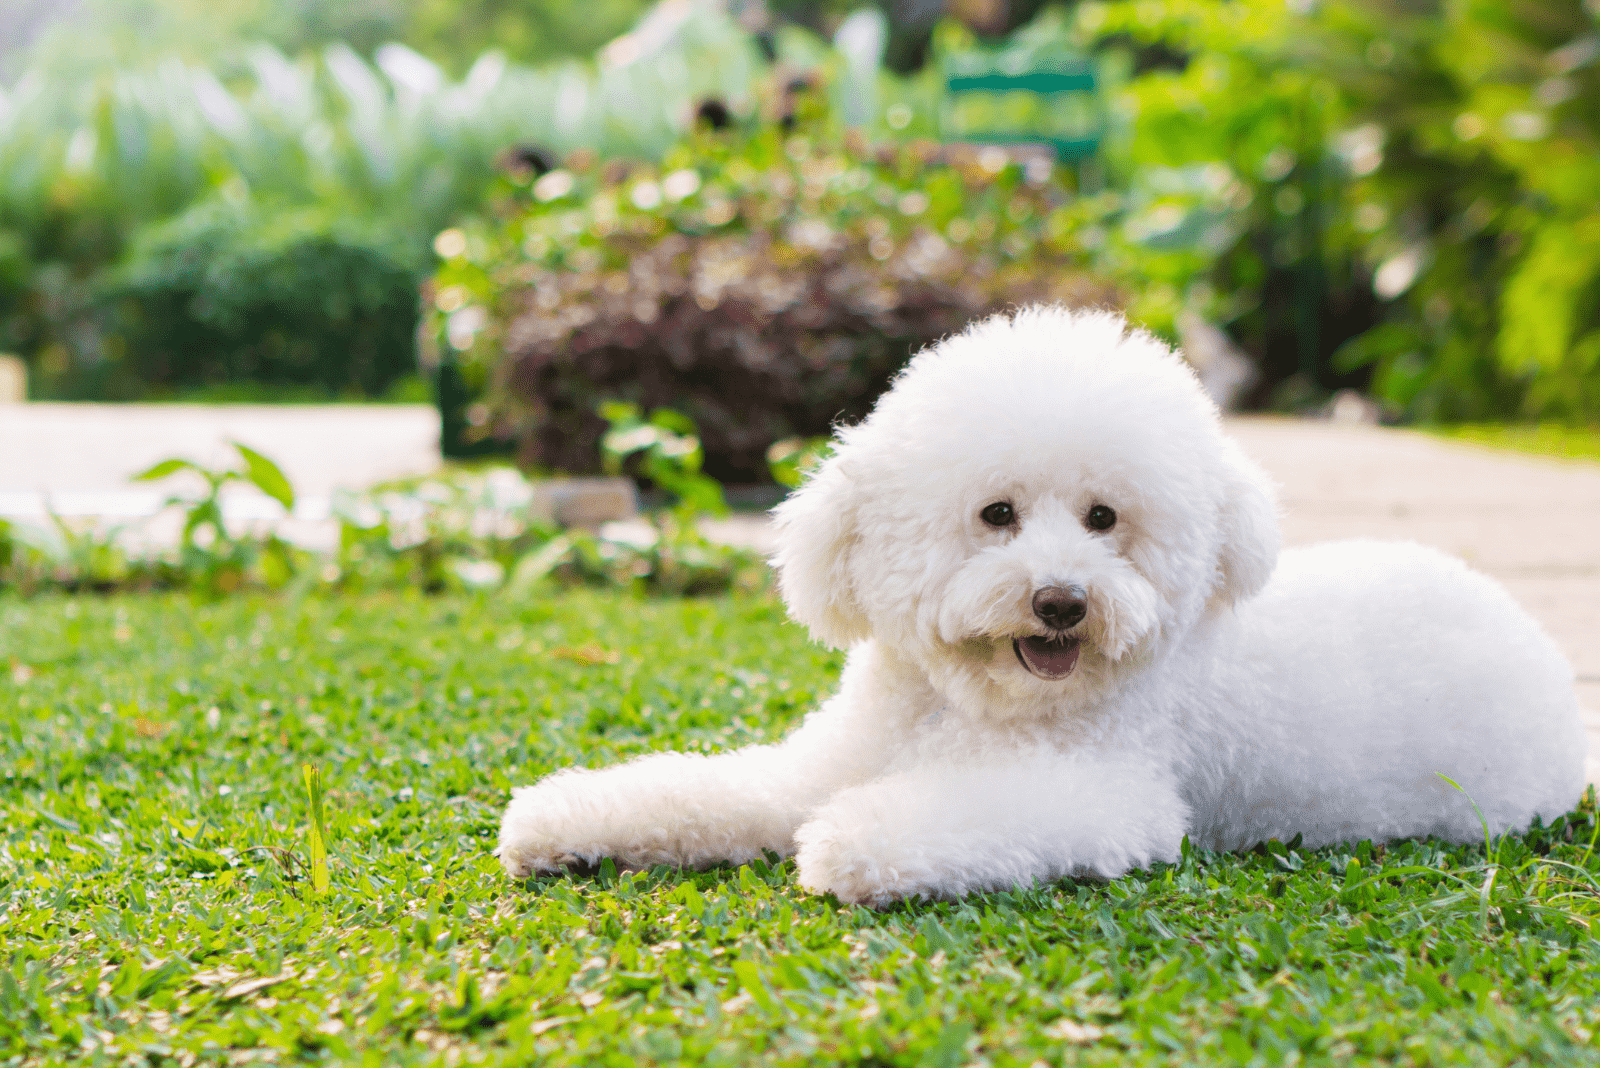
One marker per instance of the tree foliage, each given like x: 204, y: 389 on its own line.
x: 1443, y: 156
x: 93, y: 35
x: 1399, y: 196
x: 92, y: 170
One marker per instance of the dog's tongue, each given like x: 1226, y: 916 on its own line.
x: 1047, y: 659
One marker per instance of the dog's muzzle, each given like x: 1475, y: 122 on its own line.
x: 1048, y: 658
x: 1053, y: 656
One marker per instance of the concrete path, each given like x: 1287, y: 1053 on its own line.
x: 95, y: 448
x: 1533, y: 524
x: 76, y: 460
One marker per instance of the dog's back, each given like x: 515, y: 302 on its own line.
x: 1362, y: 673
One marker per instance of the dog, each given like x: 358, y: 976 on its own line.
x: 1073, y: 641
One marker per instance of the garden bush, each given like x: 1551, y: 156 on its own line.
x: 91, y: 160
x: 226, y: 295
x: 1417, y: 190
x: 1395, y: 197
x: 764, y: 285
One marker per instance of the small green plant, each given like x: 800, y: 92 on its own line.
x: 466, y: 529
x: 207, y: 551
x: 667, y: 445
x: 89, y: 557
x: 68, y: 555
x: 316, y: 829
x: 205, y: 511
x: 455, y: 529
x: 791, y: 459
x: 666, y: 449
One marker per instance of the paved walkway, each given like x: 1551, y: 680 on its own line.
x: 1533, y: 524
x: 95, y: 448
x: 77, y: 459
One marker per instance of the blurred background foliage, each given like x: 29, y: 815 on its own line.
x: 1425, y: 174
x: 766, y: 284
x: 1402, y: 196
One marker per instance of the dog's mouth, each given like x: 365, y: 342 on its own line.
x: 1048, y: 658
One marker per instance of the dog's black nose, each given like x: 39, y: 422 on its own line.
x: 1060, y: 607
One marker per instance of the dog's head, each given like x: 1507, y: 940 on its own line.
x: 1035, y: 504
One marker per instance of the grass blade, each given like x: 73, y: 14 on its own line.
x: 1594, y: 808
x: 1489, y: 853
x: 316, y: 832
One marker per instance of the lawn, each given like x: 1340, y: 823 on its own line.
x: 155, y: 905
x: 1540, y: 439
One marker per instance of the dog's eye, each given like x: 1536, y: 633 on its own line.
x: 999, y: 514
x: 1100, y: 518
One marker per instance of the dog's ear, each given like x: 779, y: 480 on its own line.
x: 816, y: 529
x: 1248, y: 529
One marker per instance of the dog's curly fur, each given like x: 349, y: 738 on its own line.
x: 984, y: 736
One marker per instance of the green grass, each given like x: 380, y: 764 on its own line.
x: 156, y: 904
x: 1540, y: 439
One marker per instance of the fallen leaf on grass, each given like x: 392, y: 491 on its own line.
x: 1072, y: 1031
x: 586, y: 654
x: 541, y: 1026
x: 738, y: 1003
x: 250, y: 986
x: 221, y: 975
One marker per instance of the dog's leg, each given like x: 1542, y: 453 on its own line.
x: 942, y: 830
x: 692, y: 810
x: 666, y: 808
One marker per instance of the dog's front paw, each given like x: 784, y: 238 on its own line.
x: 523, y: 860
x: 831, y: 861
x: 546, y: 828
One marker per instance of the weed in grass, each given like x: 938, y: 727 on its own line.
x: 209, y: 555
x: 156, y: 905
x: 316, y: 830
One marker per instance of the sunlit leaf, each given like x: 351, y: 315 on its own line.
x: 267, y: 476
x: 163, y: 469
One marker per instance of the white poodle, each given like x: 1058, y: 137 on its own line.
x: 1073, y: 642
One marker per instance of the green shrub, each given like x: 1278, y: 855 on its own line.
x: 457, y: 529
x: 90, y: 159
x: 764, y: 286
x: 1416, y: 189
x: 1490, y: 180
x: 225, y: 295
